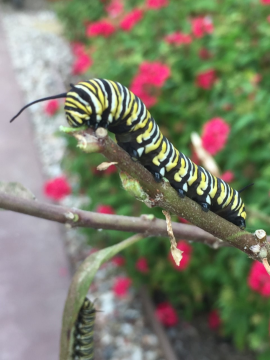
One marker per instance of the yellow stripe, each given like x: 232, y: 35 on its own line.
x: 222, y: 194
x: 182, y: 171
x: 152, y: 147
x: 80, y: 118
x: 131, y: 100
x: 141, y: 137
x: 203, y: 184
x: 194, y: 176
x: 213, y: 192
x: 235, y: 202
x: 140, y: 125
x: 229, y: 198
x: 79, y: 105
x: 119, y: 99
x: 89, y: 86
x: 161, y: 154
x: 174, y: 162
x: 100, y: 95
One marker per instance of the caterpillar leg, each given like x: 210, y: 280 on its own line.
x: 130, y: 150
x: 179, y: 191
x: 205, y: 206
x: 157, y: 177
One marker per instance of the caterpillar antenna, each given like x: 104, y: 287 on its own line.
x: 39, y: 100
x: 244, y: 188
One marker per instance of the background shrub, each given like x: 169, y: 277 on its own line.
x: 190, y: 62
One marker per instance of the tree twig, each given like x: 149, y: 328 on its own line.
x: 80, y: 218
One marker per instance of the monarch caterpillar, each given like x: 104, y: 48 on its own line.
x: 104, y: 103
x: 83, y: 348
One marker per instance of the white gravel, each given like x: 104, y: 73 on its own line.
x: 42, y: 61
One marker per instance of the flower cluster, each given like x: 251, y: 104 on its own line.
x: 228, y: 176
x: 142, y: 265
x: 214, y: 320
x: 102, y: 27
x: 105, y: 209
x: 131, y: 19
x: 215, y: 135
x: 206, y: 79
x: 118, y: 260
x: 156, y: 4
x: 178, y: 38
x: 201, y: 26
x: 115, y: 8
x: 166, y: 314
x: 82, y: 60
x: 51, y: 107
x: 57, y: 188
x: 151, y: 76
x: 121, y: 286
x: 187, y: 251
x: 258, y: 279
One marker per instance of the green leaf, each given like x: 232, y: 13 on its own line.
x: 79, y: 287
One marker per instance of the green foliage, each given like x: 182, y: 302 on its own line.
x: 239, y: 48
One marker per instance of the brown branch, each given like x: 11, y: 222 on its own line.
x: 80, y: 218
x: 164, y: 196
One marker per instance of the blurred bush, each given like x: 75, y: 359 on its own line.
x: 190, y: 62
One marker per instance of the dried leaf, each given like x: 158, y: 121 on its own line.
x: 105, y: 165
x: 176, y: 254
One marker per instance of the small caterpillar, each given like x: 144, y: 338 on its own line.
x: 83, y: 348
x: 104, y: 103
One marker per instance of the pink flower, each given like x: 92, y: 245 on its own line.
x: 57, y: 188
x: 214, y: 320
x: 265, y: 2
x: 166, y: 314
x: 151, y: 75
x: 114, y: 8
x: 77, y: 48
x: 156, y: 4
x: 154, y: 73
x: 100, y: 28
x: 131, y: 19
x: 201, y: 26
x: 140, y: 88
x: 142, y: 265
x: 187, y: 251
x: 204, y: 54
x: 182, y: 220
x: 81, y: 64
x: 259, y: 280
x: 110, y: 170
x: 121, y: 286
x: 105, y: 209
x: 206, y: 79
x: 178, y: 38
x: 228, y: 176
x: 51, y: 107
x: 215, y: 135
x: 118, y: 260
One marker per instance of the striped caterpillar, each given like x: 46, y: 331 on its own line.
x: 83, y: 348
x: 104, y: 103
